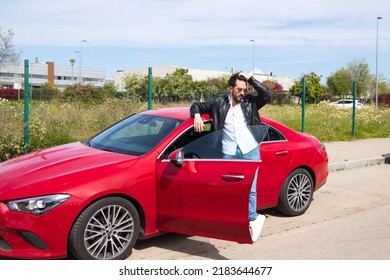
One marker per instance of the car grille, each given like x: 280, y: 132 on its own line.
x: 4, y: 245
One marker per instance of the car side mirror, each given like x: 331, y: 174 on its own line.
x: 177, y: 157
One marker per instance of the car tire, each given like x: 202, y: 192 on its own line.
x: 297, y: 193
x: 106, y: 230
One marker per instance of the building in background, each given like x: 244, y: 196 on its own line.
x: 285, y: 82
x: 162, y: 71
x: 197, y: 75
x: 61, y: 76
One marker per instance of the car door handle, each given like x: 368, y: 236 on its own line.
x: 233, y: 177
x: 282, y: 153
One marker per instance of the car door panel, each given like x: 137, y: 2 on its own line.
x: 205, y: 197
x: 274, y: 169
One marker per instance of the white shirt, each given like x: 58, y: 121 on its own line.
x: 236, y: 132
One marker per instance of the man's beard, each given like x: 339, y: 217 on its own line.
x: 238, y: 99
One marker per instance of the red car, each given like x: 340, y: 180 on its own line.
x: 147, y: 174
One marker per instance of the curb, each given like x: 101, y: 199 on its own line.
x: 358, y: 163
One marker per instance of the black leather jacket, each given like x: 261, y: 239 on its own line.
x: 250, y: 105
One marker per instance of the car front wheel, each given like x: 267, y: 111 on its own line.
x: 297, y: 193
x: 106, y: 230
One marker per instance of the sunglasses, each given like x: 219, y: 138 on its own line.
x: 239, y: 90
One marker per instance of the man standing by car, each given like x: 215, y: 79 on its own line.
x: 236, y: 115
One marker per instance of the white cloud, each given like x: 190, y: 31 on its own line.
x: 290, y: 36
x: 194, y: 22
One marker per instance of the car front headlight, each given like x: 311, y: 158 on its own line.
x: 37, y: 205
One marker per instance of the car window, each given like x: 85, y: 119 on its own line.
x: 207, y: 144
x: 135, y: 135
x: 273, y: 135
x: 186, y: 138
x: 344, y: 101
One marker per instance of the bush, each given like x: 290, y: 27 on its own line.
x: 384, y: 99
x: 44, y: 93
x: 11, y: 94
x: 84, y: 93
x: 281, y: 97
x: 55, y: 123
x: 11, y: 138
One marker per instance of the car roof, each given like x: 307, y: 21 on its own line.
x: 182, y: 113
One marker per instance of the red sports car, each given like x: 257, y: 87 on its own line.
x: 147, y: 174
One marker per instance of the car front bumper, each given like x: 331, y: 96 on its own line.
x: 27, y: 236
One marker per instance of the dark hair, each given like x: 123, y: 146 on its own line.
x: 234, y: 78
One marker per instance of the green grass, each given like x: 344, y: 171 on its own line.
x: 54, y: 123
x: 329, y: 123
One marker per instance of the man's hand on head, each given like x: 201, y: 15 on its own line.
x: 245, y: 75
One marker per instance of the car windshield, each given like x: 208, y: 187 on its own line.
x: 136, y: 135
x: 345, y: 101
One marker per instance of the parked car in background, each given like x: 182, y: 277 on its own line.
x: 347, y: 103
x: 147, y: 174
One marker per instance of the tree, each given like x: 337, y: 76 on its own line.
x: 159, y: 91
x: 180, y: 85
x: 7, y: 50
x: 221, y: 84
x: 109, y: 89
x: 314, y: 89
x: 383, y: 87
x: 202, y: 88
x: 341, y: 82
x: 177, y: 86
x: 359, y: 72
x: 132, y: 86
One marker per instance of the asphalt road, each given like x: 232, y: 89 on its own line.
x: 349, y: 219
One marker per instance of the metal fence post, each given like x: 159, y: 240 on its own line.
x: 150, y: 88
x: 354, y: 109
x: 303, y: 102
x: 26, y: 112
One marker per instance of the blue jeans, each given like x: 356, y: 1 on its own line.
x: 252, y: 155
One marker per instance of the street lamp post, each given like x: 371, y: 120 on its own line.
x: 253, y: 58
x: 72, y: 61
x: 81, y: 59
x: 376, y: 66
x: 78, y: 78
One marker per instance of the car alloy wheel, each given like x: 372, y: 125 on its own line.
x: 297, y: 193
x: 107, y: 229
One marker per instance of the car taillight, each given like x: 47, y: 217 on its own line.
x: 322, y: 149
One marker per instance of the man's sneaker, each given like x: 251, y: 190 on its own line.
x: 256, y: 226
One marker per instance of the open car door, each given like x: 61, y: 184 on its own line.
x: 199, y: 193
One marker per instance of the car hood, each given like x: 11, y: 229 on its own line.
x: 51, y: 170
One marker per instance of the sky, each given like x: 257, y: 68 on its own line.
x: 282, y: 37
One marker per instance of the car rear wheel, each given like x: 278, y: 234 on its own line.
x: 297, y: 193
x: 105, y: 230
